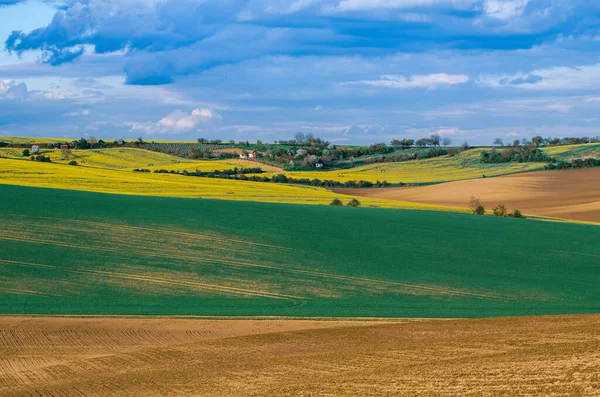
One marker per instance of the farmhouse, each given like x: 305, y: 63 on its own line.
x: 250, y: 155
x: 319, y: 165
x: 35, y: 149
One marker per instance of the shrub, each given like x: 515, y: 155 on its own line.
x: 336, y: 202
x: 500, y: 210
x: 476, y: 206
x: 353, y: 203
x: 25, y: 152
x: 72, y: 162
x: 517, y: 214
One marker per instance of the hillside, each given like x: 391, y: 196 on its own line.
x: 68, y: 252
x: 465, y: 165
x: 569, y: 194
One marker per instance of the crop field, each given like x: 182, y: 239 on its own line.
x: 571, y: 152
x: 568, y: 194
x: 465, y: 165
x: 69, y: 252
x: 124, y: 181
x: 130, y: 158
x: 516, y: 356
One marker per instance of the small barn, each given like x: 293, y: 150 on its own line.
x: 35, y: 149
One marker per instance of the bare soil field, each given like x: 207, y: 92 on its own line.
x: 569, y: 194
x: 44, y: 356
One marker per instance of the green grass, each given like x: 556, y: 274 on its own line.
x: 68, y: 252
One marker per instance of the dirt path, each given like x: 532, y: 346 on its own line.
x: 570, y: 194
x: 558, y: 355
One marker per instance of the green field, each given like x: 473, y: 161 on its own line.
x: 69, y: 252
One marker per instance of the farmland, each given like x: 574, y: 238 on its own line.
x: 66, y: 252
x: 568, y: 194
x: 465, y: 165
x: 533, y: 356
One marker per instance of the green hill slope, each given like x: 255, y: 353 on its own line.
x: 68, y: 252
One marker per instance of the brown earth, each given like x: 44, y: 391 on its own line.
x: 556, y: 355
x: 569, y: 194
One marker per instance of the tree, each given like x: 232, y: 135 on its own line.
x: 337, y: 202
x: 25, y: 152
x: 446, y: 142
x: 92, y: 141
x: 406, y: 143
x: 396, y: 143
x: 516, y: 143
x: 498, y: 141
x: 353, y: 203
x: 422, y: 142
x: 139, y: 142
x: 537, y: 141
x: 435, y: 139
x: 476, y: 206
x: 465, y: 146
x: 300, y: 137
x: 202, y: 140
x: 500, y: 210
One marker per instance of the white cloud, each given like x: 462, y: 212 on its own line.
x: 505, y: 9
x: 11, y: 90
x: 561, y: 107
x: 415, y: 81
x: 179, y: 122
x: 76, y: 113
x: 512, y: 134
x: 556, y: 78
x: 356, y: 5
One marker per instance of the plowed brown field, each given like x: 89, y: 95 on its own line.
x: 145, y: 357
x: 570, y: 194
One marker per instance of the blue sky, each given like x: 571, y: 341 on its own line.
x: 350, y: 71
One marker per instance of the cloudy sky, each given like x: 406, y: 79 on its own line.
x: 346, y: 70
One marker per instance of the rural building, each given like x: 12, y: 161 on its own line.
x: 319, y: 165
x: 64, y: 147
x: 35, y: 149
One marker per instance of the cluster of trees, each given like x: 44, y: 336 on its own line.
x: 541, y: 141
x: 477, y: 208
x: 338, y: 203
x: 216, y: 173
x: 432, y: 141
x: 41, y: 158
x: 240, y: 174
x: 521, y: 154
x: 577, y: 163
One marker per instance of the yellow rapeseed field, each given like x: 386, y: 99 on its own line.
x: 124, y: 181
x: 570, y: 152
x: 130, y: 158
x: 439, y: 169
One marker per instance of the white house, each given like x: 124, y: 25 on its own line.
x: 35, y: 149
x: 319, y: 165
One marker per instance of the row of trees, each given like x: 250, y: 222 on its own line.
x: 541, y: 141
x: 521, y: 154
x: 477, y: 208
x: 432, y: 141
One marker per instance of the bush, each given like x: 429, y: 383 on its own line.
x: 25, y: 152
x: 72, y: 162
x: 336, y: 202
x: 500, y: 210
x: 353, y: 203
x: 516, y: 214
x: 476, y: 206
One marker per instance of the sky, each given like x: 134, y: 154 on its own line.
x: 349, y: 71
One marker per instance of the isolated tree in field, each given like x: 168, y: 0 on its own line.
x: 516, y: 143
x: 446, y: 142
x: 498, y: 141
x: 139, y: 142
x: 336, y: 202
x: 476, y: 206
x: 500, y: 210
x: 353, y: 203
x: 25, y: 152
x: 202, y: 140
x: 465, y: 145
